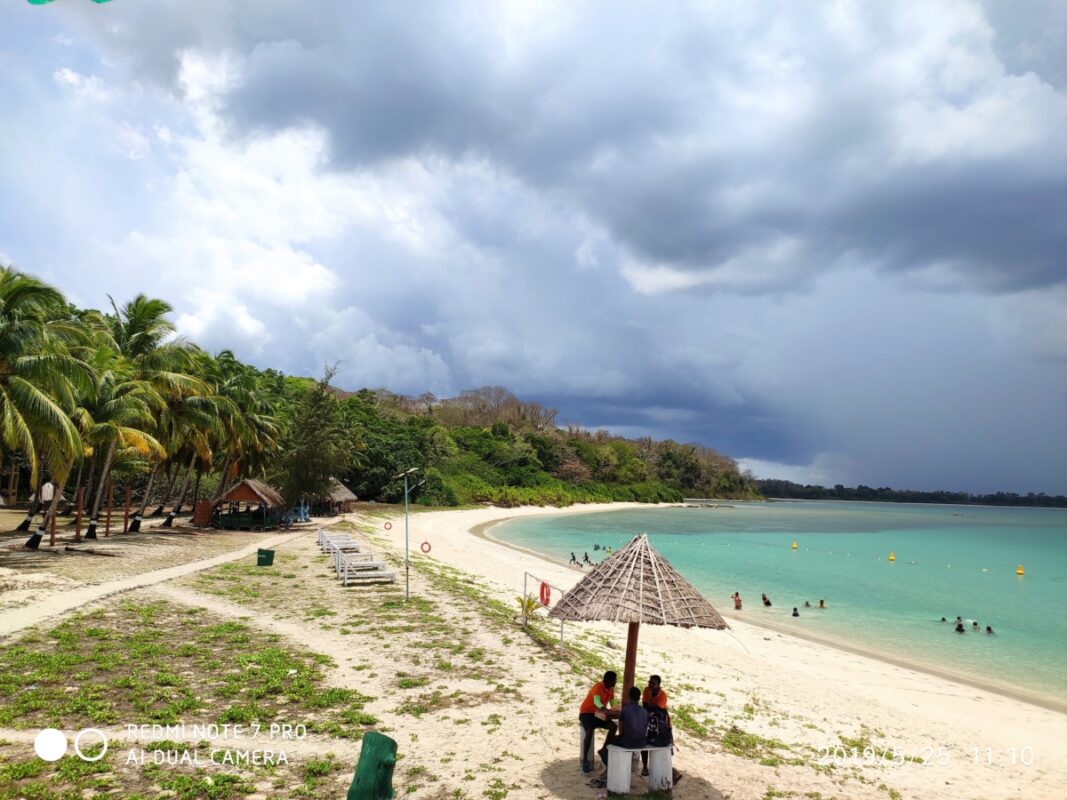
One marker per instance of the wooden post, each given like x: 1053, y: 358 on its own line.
x: 52, y: 529
x: 631, y: 661
x: 110, y: 501
x: 78, y: 515
x: 126, y: 512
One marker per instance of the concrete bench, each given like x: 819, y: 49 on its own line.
x: 660, y: 768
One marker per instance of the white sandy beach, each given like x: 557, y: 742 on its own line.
x: 514, y: 734
x: 800, y: 692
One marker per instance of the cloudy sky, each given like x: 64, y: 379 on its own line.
x: 827, y: 239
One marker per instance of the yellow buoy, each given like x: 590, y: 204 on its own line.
x: 794, y: 545
x: 1019, y: 570
x: 892, y: 556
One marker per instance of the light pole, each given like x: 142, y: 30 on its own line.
x: 407, y: 560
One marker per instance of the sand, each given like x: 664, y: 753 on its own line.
x: 501, y: 721
x: 800, y: 692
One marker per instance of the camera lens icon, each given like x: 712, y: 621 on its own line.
x: 50, y: 744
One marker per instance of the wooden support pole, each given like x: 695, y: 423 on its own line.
x: 110, y: 501
x: 631, y: 661
x: 78, y: 515
x: 126, y: 512
x: 52, y: 523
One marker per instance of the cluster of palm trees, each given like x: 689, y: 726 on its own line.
x: 89, y: 398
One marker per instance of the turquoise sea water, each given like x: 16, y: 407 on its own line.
x: 950, y: 560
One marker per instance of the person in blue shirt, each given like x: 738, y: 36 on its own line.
x: 633, y: 726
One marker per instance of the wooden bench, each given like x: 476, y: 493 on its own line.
x: 660, y: 768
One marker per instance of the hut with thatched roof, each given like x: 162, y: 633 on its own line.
x: 263, y: 507
x: 339, y: 499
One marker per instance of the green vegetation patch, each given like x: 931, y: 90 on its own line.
x: 140, y: 663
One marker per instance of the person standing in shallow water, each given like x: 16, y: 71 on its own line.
x: 737, y: 601
x: 766, y: 600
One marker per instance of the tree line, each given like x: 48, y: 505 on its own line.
x: 92, y: 399
x: 790, y: 490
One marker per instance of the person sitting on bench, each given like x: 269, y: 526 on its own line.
x: 633, y: 726
x: 591, y: 715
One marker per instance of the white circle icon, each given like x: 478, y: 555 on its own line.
x: 78, y: 741
x: 50, y: 744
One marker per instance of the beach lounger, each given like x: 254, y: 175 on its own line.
x: 352, y: 570
x: 331, y: 544
x: 339, y: 557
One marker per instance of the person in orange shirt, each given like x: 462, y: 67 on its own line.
x: 591, y: 715
x: 652, y: 698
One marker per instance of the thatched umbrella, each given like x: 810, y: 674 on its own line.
x: 635, y: 585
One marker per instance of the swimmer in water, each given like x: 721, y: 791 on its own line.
x: 822, y: 604
x: 795, y: 612
x: 989, y: 630
x: 960, y: 628
x: 766, y: 600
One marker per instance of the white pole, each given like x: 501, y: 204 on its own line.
x: 407, y: 560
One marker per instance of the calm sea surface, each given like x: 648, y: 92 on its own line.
x: 949, y: 560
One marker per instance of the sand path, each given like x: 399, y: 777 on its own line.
x: 17, y: 619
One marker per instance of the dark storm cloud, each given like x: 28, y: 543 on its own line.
x: 691, y: 136
x: 823, y: 238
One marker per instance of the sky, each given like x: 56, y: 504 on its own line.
x: 827, y: 239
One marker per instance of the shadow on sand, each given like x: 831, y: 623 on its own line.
x: 564, y: 779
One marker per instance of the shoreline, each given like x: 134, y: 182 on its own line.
x: 483, y: 530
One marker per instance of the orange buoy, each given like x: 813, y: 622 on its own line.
x: 546, y: 594
x: 1019, y: 570
x: 892, y: 556
x: 794, y: 544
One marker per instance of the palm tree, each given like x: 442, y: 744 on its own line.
x: 248, y: 425
x: 146, y: 339
x: 37, y: 376
x: 124, y: 408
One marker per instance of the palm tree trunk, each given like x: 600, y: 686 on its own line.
x: 173, y: 471
x: 135, y: 523
x: 176, y: 509
x: 222, y: 479
x: 48, y: 513
x: 32, y: 511
x: 89, y: 481
x: 90, y: 531
x: 77, y: 483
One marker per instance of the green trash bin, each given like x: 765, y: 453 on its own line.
x: 264, y: 558
x: 374, y: 772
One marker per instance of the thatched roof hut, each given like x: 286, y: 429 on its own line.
x: 253, y: 491
x: 268, y: 511
x: 340, y: 497
x: 635, y: 585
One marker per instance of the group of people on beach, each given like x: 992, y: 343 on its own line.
x: 961, y: 628
x: 643, y: 722
x: 736, y: 597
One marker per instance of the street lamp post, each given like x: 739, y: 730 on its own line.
x: 407, y: 558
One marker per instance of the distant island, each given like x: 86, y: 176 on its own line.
x: 788, y: 490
